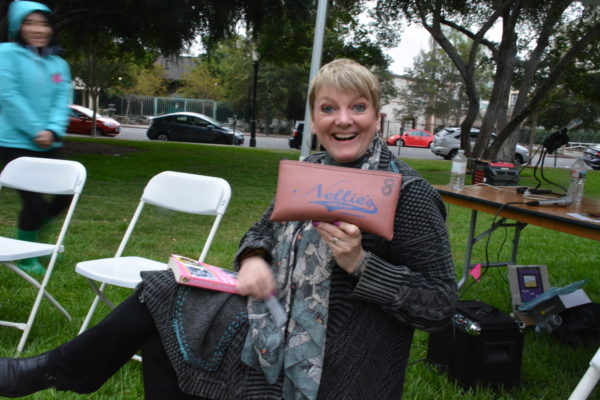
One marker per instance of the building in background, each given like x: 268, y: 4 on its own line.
x: 392, y: 124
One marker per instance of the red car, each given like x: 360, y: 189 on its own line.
x: 80, y: 121
x: 412, y: 138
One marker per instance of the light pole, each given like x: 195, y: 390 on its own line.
x: 254, y: 79
x: 315, y: 64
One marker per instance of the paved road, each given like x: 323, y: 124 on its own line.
x: 265, y: 142
x: 281, y: 143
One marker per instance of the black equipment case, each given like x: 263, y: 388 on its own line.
x: 495, y: 173
x: 481, y: 346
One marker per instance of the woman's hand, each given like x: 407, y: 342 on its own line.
x: 344, y: 240
x: 255, y: 278
x: 44, y: 139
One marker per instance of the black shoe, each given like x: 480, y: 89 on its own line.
x: 23, y: 376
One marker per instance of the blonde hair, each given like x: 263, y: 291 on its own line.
x: 345, y: 75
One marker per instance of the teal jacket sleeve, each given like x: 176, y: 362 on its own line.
x: 15, y: 106
x: 59, y: 115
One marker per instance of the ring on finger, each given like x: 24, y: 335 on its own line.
x: 334, y: 240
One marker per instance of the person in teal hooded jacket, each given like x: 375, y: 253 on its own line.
x: 35, y: 90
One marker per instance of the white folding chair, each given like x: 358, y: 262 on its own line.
x: 46, y: 176
x: 190, y: 193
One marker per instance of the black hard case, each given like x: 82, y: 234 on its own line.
x: 494, y: 174
x: 482, y: 346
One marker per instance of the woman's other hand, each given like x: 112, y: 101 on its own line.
x: 255, y: 278
x: 345, y: 242
x: 44, y: 139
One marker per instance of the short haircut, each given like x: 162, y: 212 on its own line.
x: 345, y: 75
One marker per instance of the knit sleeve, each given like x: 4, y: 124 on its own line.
x: 258, y: 237
x: 416, y: 281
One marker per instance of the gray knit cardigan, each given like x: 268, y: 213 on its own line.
x: 408, y: 282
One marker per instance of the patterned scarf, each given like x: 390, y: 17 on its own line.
x: 302, y: 265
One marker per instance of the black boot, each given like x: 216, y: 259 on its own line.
x: 23, y: 376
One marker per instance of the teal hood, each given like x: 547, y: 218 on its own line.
x: 17, y: 11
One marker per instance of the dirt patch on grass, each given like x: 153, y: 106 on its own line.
x: 97, y: 148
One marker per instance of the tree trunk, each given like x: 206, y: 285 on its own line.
x: 466, y: 72
x: 497, y: 107
x: 127, y: 103
x: 533, y: 120
x: 93, y: 91
x: 541, y: 91
x: 508, y: 139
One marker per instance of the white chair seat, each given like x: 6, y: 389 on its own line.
x: 13, y: 249
x: 118, y: 271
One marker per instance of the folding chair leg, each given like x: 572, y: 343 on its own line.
x: 42, y: 292
x: 36, y: 304
x: 36, y: 284
x: 100, y: 293
x: 99, y: 296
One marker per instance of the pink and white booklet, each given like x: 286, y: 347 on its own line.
x: 191, y: 272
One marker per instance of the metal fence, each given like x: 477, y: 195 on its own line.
x: 391, y: 128
x: 138, y: 109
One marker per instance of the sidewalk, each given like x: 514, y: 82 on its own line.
x: 568, y: 153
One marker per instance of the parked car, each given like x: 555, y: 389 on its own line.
x: 591, y: 156
x: 295, y: 140
x: 412, y: 138
x: 80, y: 121
x: 447, y: 142
x: 192, y: 127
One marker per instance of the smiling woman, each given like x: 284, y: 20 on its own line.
x: 345, y: 124
x: 345, y: 109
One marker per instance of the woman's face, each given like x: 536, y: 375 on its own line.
x: 345, y: 123
x: 36, y: 30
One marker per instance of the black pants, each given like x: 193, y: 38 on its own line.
x: 83, y: 364
x: 36, y: 208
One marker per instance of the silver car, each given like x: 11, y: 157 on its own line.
x: 447, y: 142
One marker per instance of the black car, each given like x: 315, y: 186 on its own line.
x: 295, y: 140
x: 591, y: 156
x: 191, y: 127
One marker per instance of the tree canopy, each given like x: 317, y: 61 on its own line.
x: 578, y: 93
x: 284, y: 49
x: 101, y: 35
x: 167, y: 26
x: 529, y: 29
x: 435, y: 87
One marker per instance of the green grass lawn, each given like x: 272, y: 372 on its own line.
x: 117, y: 173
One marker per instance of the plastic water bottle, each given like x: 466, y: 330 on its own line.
x: 459, y: 171
x: 577, y: 181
